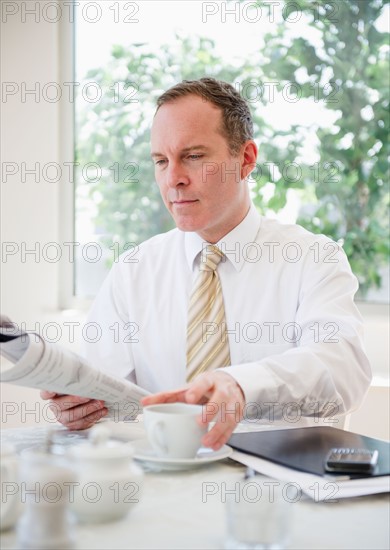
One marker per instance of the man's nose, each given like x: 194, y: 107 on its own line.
x: 177, y: 175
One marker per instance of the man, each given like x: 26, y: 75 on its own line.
x: 288, y: 330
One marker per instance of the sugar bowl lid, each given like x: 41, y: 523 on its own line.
x: 100, y: 447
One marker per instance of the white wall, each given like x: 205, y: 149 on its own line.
x: 30, y: 132
x: 33, y: 132
x: 29, y: 54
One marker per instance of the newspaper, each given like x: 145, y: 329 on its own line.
x: 27, y: 360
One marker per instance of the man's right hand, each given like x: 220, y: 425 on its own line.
x: 76, y: 413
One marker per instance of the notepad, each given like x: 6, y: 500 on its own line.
x: 305, y: 449
x: 297, y: 456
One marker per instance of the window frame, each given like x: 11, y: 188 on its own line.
x: 67, y: 195
x: 67, y: 298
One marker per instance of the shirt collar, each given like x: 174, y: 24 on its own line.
x: 232, y: 244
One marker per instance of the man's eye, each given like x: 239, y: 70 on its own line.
x: 159, y: 162
x: 195, y: 157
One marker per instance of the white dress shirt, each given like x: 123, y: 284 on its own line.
x: 295, y: 334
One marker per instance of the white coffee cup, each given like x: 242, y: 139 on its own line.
x: 173, y: 430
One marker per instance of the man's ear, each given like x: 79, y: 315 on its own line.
x: 249, y: 158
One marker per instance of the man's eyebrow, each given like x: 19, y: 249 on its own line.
x: 194, y: 147
x: 183, y: 151
x: 153, y: 155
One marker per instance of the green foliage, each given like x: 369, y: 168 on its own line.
x: 351, y: 72
x: 344, y: 194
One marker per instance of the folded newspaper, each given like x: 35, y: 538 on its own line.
x: 27, y: 360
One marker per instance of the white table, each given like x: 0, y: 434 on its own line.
x: 174, y: 513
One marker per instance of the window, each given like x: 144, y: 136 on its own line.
x: 315, y: 75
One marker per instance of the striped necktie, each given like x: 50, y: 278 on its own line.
x: 207, y: 343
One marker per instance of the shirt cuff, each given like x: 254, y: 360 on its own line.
x: 257, y: 382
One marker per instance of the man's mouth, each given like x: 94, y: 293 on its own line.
x: 184, y: 202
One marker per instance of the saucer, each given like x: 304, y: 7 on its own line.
x: 143, y: 452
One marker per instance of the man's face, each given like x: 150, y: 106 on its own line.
x: 199, y: 180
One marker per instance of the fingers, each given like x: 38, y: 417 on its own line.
x: 74, y: 419
x: 74, y: 412
x: 225, y: 406
x: 165, y: 397
x: 65, y: 402
x: 47, y: 394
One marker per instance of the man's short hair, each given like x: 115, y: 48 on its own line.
x: 237, y: 124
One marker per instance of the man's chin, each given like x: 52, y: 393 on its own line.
x: 188, y: 227
x: 187, y: 224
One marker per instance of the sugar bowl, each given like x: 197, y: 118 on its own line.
x: 109, y: 483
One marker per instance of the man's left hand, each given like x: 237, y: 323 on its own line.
x: 223, y: 399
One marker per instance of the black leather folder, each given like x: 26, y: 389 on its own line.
x: 305, y: 449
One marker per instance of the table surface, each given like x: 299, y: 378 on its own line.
x: 174, y: 511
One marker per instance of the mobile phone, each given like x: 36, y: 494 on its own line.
x: 345, y: 459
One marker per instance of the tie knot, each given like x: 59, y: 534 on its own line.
x: 210, y: 258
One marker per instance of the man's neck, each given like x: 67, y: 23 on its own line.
x: 214, y: 238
